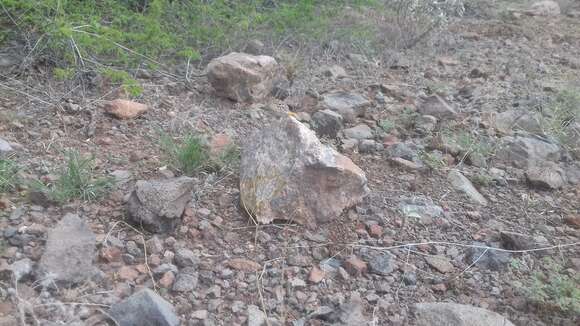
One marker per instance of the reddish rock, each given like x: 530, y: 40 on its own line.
x: 573, y: 221
x: 125, y: 109
x: 316, y: 275
x: 441, y: 287
x: 111, y: 254
x: 243, y: 264
x: 127, y: 273
x: 219, y: 144
x: 439, y: 263
x: 167, y: 280
x: 243, y: 77
x: 355, y: 266
x: 376, y: 231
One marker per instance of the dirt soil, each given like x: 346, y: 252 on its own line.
x: 499, y: 64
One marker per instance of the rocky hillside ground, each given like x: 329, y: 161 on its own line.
x: 437, y: 185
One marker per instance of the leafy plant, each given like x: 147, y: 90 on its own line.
x: 78, y: 180
x: 408, y: 118
x: 432, y: 160
x: 8, y: 175
x: 553, y: 288
x: 127, y: 83
x: 64, y: 73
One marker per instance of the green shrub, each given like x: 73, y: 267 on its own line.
x: 124, y: 80
x: 552, y: 288
x: 8, y: 175
x: 78, y: 180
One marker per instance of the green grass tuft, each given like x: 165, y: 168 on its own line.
x: 191, y: 155
x: 8, y: 175
x: 78, y: 180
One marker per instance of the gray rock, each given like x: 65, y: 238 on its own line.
x: 511, y: 120
x: 350, y: 313
x: 437, y: 107
x: 186, y: 258
x: 452, y: 314
x: 70, y: 252
x: 287, y: 173
x: 545, y: 8
x: 381, y: 264
x: 524, y: 152
x: 359, y: 132
x: 121, y: 176
x: 243, y: 77
x: 8, y: 60
x: 420, y: 207
x: 461, y: 183
x: 5, y: 147
x: 185, y: 281
x: 348, y: 105
x: 547, y: 175
x: 516, y: 241
x: 158, y: 205
x: 21, y: 268
x: 334, y: 71
x: 256, y: 317
x: 327, y: 123
x: 407, y: 151
x: 492, y: 259
x: 255, y: 47
x: 144, y: 308
x: 369, y: 146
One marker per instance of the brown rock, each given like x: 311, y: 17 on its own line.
x: 439, y: 263
x: 286, y: 173
x: 111, y: 254
x: 243, y: 77
x: 316, y: 275
x: 376, y: 231
x: 437, y: 107
x: 127, y: 273
x: 219, y: 144
x: 243, y: 264
x: 167, y: 280
x: 355, y: 266
x: 125, y: 109
x: 573, y: 221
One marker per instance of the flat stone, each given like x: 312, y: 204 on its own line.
x: 461, y: 183
x: 437, y: 107
x: 359, y: 132
x: 525, y: 152
x: 381, y: 264
x: 491, y: 259
x: 452, y: 314
x: 5, y: 147
x: 439, y: 263
x: 144, y: 308
x: 185, y: 282
x: 549, y: 176
x: 348, y: 105
x: 327, y: 123
x: 70, y: 252
x: 158, y: 205
x: 256, y: 317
